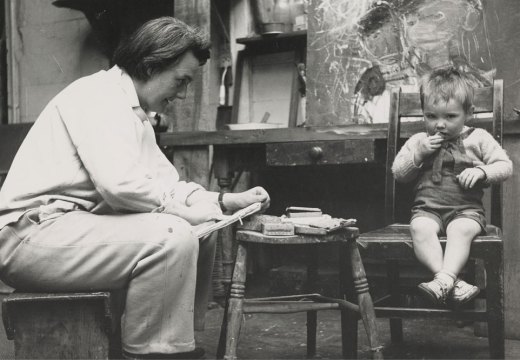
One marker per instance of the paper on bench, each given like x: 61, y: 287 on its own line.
x: 205, y: 229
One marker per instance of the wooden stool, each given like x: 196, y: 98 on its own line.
x: 62, y: 326
x: 352, y: 275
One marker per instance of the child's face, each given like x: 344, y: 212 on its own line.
x: 446, y: 118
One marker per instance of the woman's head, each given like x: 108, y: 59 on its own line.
x: 157, y: 45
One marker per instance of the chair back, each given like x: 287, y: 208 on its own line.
x: 487, y: 100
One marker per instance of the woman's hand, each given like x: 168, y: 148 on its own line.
x: 469, y: 177
x: 197, y: 213
x: 235, y: 201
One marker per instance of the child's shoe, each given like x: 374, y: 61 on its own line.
x: 463, y: 292
x: 437, y: 290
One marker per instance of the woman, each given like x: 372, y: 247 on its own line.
x: 90, y: 202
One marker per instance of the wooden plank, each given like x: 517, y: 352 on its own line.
x: 410, y: 103
x: 195, y: 112
x: 267, y: 136
x: 511, y: 230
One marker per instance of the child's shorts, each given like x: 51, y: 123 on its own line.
x: 445, y: 217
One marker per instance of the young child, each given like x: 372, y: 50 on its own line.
x: 451, y: 163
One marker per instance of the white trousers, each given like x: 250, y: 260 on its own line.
x: 152, y: 256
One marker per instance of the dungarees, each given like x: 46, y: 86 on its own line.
x: 438, y: 194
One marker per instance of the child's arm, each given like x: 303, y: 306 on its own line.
x: 497, y: 165
x: 408, y: 161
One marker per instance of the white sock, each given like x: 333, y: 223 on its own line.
x: 446, y: 277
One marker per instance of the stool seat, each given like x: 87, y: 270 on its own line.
x: 353, y: 286
x: 347, y: 234
x: 62, y: 325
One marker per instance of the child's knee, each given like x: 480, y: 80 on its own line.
x: 423, y: 227
x: 464, y: 227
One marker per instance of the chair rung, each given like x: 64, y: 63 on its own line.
x: 397, y: 312
x: 285, y: 307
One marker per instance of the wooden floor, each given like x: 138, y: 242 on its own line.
x: 268, y: 336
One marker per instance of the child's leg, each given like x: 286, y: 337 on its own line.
x: 460, y: 233
x: 426, y: 244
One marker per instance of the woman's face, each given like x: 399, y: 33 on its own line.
x: 156, y: 93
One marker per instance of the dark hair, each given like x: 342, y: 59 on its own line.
x: 158, y: 44
x: 448, y: 83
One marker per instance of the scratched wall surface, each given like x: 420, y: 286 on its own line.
x: 359, y: 49
x: 54, y: 50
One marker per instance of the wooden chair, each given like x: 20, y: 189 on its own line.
x: 352, y: 276
x: 394, y: 244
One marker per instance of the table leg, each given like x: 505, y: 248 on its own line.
x: 225, y: 241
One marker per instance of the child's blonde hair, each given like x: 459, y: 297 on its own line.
x: 445, y: 84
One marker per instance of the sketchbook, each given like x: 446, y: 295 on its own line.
x: 205, y: 229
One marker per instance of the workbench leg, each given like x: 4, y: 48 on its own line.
x: 225, y: 240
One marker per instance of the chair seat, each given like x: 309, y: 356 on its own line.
x: 342, y: 235
x: 395, y: 242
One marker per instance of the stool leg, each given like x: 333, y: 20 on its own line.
x: 495, y: 304
x: 349, y: 319
x: 366, y: 306
x: 236, y: 302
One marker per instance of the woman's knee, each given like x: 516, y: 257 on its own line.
x: 173, y: 233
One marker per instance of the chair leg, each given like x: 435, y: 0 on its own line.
x: 312, y: 323
x: 495, y: 304
x: 396, y: 325
x: 236, y: 302
x: 366, y: 306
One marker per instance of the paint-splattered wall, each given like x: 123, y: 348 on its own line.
x: 360, y: 49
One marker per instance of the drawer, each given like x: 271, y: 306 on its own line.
x: 321, y: 152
